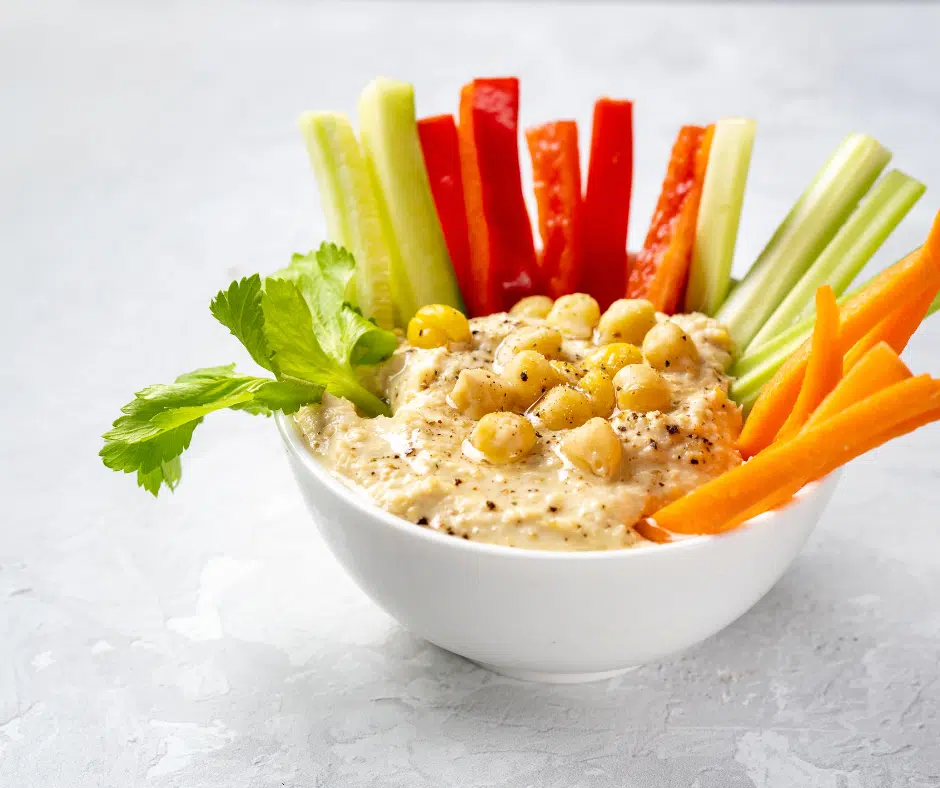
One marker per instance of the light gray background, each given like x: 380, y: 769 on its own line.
x: 149, y: 154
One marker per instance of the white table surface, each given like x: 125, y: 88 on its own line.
x: 149, y: 154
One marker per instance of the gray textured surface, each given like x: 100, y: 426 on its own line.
x: 148, y: 154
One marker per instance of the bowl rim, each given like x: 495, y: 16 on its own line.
x: 297, y: 447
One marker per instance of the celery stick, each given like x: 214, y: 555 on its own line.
x: 719, y: 213
x: 789, y: 339
x: 746, y: 388
x: 786, y: 341
x: 352, y: 214
x: 421, y: 269
x: 860, y: 237
x: 804, y: 233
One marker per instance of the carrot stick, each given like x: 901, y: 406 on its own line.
x: 879, y: 368
x: 716, y: 505
x: 604, y: 262
x: 824, y: 367
x: 662, y: 266
x: 897, y: 328
x: 556, y: 174
x: 858, y: 316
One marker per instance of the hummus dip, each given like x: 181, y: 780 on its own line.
x: 422, y: 465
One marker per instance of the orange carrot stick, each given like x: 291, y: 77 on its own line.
x: 824, y: 367
x: 716, y: 505
x: 897, y: 328
x: 858, y: 316
x: 879, y: 368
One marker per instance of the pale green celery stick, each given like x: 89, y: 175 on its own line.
x: 860, y: 237
x: 719, y: 213
x: 790, y: 339
x: 746, y: 388
x: 785, y: 342
x: 421, y: 269
x: 804, y: 233
x: 352, y: 213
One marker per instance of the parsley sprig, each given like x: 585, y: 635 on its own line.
x: 295, y: 324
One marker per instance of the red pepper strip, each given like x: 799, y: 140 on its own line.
x: 662, y: 266
x: 556, y: 172
x: 439, y: 144
x: 502, y: 253
x: 606, y: 215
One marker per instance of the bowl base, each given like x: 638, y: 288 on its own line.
x: 554, y: 678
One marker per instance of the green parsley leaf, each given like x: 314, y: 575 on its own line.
x: 298, y: 354
x: 323, y: 278
x: 239, y: 310
x: 167, y: 473
x: 158, y: 423
x: 297, y: 325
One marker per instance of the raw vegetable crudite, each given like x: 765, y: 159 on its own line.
x: 421, y: 271
x: 502, y: 250
x: 296, y: 325
x: 351, y: 208
x: 570, y: 405
x: 441, y: 149
x: 811, y: 224
x: 716, y: 229
x: 606, y: 216
x: 846, y: 254
x: 661, y: 269
x: 860, y: 314
x: 556, y: 172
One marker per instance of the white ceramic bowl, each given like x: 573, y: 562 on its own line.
x: 552, y: 616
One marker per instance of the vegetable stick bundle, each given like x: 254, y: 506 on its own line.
x: 843, y: 393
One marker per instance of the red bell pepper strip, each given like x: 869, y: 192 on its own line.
x: 556, y: 173
x: 662, y: 266
x: 439, y: 144
x: 502, y: 253
x: 606, y: 214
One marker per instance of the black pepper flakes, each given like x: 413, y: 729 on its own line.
x: 490, y: 505
x: 553, y: 509
x: 524, y: 376
x: 694, y: 462
x: 422, y: 521
x: 458, y: 482
x: 672, y: 429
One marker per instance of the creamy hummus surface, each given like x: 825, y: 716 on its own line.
x: 424, y: 465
